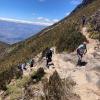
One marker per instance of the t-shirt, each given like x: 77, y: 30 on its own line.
x: 22, y: 66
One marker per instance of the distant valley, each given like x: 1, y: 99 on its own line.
x: 12, y: 32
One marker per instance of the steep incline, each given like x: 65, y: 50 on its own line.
x: 3, y: 45
x: 86, y: 77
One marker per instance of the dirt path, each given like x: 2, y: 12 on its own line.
x: 87, y: 79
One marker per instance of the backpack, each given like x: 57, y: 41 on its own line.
x: 49, y: 54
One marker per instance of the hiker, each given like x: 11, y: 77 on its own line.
x: 32, y: 63
x: 48, y: 56
x: 83, y: 20
x: 81, y: 50
x: 20, y: 71
x: 22, y: 67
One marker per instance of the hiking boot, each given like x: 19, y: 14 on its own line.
x: 79, y: 62
x: 47, y: 66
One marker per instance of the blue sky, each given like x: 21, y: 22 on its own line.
x: 36, y: 11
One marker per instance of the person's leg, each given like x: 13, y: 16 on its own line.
x: 83, y: 23
x: 79, y: 59
x: 31, y: 64
x: 78, y: 55
x: 52, y: 61
x: 47, y: 65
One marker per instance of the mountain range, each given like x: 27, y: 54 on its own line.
x: 15, y: 31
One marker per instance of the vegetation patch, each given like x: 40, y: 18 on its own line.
x: 58, y: 89
x: 94, y: 26
x: 37, y: 76
x: 16, y: 88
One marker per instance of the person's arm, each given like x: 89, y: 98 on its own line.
x: 85, y: 50
x: 46, y: 55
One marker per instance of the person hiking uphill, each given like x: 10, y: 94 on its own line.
x: 32, y: 63
x: 81, y: 50
x: 49, y: 53
x: 83, y: 20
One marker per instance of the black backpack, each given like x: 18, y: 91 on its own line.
x: 49, y: 54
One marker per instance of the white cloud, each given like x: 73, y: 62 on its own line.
x: 37, y: 21
x: 40, y: 18
x: 24, y: 21
x: 75, y: 2
x: 46, y: 20
x: 41, y: 0
x: 55, y: 20
x: 43, y: 19
x: 33, y: 14
x: 67, y: 13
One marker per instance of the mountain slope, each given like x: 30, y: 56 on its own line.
x: 94, y: 26
x: 3, y: 45
x: 65, y: 35
x: 68, y: 82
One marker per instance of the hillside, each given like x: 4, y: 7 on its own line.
x: 3, y: 45
x: 64, y: 35
x: 62, y: 81
x: 3, y: 48
x: 94, y: 25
